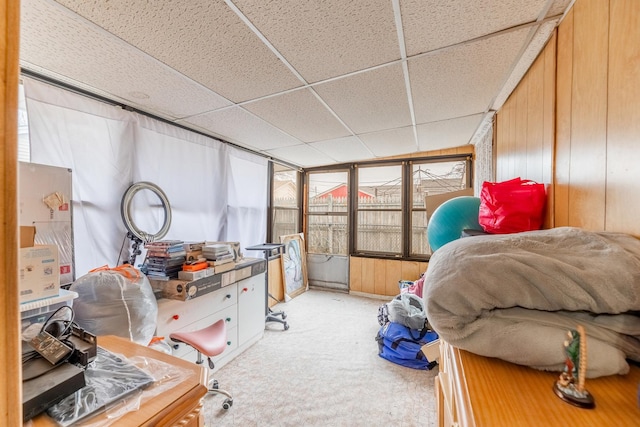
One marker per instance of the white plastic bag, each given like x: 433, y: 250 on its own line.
x: 118, y: 301
x: 408, y: 310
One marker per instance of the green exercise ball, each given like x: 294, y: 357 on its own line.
x: 450, y: 218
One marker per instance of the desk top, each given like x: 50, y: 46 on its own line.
x: 500, y: 393
x: 264, y: 247
x: 166, y: 408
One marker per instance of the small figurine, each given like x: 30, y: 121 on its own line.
x: 570, y: 385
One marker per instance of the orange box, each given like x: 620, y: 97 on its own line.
x: 197, y: 266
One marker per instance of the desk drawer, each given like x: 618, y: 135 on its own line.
x: 174, y: 315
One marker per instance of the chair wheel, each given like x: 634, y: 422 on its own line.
x: 286, y: 326
x: 228, y: 403
x: 215, y: 385
x: 284, y: 315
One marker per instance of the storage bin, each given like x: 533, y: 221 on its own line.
x: 40, y: 310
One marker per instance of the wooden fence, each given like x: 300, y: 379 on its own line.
x: 378, y: 230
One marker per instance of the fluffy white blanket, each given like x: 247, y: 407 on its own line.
x: 515, y: 296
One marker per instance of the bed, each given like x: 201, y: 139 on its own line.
x: 515, y: 296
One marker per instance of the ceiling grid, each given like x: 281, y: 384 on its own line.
x: 309, y: 82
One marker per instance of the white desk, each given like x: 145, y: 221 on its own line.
x: 241, y: 303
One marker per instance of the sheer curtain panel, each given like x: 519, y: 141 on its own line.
x: 216, y: 191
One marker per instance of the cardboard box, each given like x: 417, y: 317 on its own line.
x: 192, y: 275
x: 39, y: 270
x: 222, y: 267
x: 27, y: 236
x: 184, y: 290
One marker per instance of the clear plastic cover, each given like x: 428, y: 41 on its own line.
x: 115, y: 385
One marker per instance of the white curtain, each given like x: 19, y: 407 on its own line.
x: 216, y: 192
x: 247, y: 205
x: 484, y: 160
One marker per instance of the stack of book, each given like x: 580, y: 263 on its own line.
x: 220, y: 257
x: 164, y: 259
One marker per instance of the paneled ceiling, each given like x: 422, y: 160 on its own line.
x: 308, y: 82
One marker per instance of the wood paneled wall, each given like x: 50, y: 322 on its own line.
x: 381, y: 276
x: 525, y: 127
x: 597, y: 95
x: 276, y: 287
x: 622, y: 189
x: 10, y: 360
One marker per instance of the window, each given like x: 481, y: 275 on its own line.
x: 286, y: 206
x: 388, y: 217
x: 379, y: 209
x: 430, y: 179
x: 327, y: 212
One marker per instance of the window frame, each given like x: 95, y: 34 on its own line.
x: 467, y: 158
x: 407, y: 200
x: 357, y: 210
x: 347, y: 213
x: 272, y: 208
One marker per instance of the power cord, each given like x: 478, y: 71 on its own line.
x: 52, y: 343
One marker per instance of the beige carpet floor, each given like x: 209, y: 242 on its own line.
x: 324, y: 371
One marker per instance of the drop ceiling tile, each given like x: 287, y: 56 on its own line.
x: 300, y: 114
x: 447, y: 133
x: 432, y: 24
x: 370, y: 101
x: 241, y: 127
x: 390, y: 142
x: 463, y: 80
x: 323, y: 39
x: 349, y: 149
x: 202, y: 39
x: 59, y: 44
x: 303, y: 155
x: 558, y: 7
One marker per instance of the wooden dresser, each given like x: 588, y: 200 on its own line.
x: 473, y: 390
x: 180, y: 406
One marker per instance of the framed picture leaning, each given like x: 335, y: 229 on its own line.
x: 294, y: 265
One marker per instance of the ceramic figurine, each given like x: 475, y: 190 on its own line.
x: 570, y: 385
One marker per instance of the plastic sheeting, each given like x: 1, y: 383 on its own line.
x: 216, y: 192
x: 109, y: 303
x: 115, y: 385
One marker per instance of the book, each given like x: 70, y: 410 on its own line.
x: 163, y: 243
x: 165, y: 254
x: 193, y: 246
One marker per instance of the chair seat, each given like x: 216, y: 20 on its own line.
x: 209, y: 341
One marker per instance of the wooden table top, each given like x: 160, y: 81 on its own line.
x: 500, y: 393
x: 167, y: 407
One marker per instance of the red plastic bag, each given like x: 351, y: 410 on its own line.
x: 511, y: 206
